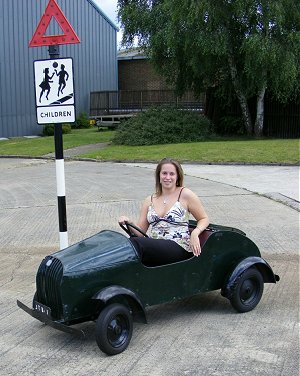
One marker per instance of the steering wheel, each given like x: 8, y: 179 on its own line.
x: 128, y: 229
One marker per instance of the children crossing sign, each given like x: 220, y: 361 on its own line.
x: 54, y: 91
x: 54, y: 95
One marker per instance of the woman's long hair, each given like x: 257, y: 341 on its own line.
x: 179, y: 181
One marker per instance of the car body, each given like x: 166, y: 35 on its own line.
x: 102, y: 278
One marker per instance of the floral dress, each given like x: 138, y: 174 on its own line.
x: 174, y: 225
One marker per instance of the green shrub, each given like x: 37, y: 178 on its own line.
x: 66, y: 128
x: 82, y: 121
x: 49, y: 129
x: 163, y: 126
x: 230, y: 125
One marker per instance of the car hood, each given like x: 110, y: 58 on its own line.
x: 104, y: 249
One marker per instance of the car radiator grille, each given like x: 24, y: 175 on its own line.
x: 48, y: 282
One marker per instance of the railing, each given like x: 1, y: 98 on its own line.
x: 126, y: 101
x: 280, y: 120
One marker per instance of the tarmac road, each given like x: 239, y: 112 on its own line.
x: 201, y: 335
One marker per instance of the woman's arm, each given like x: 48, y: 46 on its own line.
x: 142, y: 222
x: 197, y: 210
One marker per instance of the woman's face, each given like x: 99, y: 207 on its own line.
x: 168, y: 175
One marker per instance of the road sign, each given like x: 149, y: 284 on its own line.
x: 54, y: 91
x: 40, y: 39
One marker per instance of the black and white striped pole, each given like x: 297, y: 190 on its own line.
x: 60, y: 187
x: 60, y: 172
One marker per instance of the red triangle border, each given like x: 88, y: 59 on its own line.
x: 40, y: 39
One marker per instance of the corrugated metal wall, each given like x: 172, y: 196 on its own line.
x: 94, y: 59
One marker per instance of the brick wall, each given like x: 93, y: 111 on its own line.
x: 138, y: 74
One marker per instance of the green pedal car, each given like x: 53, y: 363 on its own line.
x: 102, y: 279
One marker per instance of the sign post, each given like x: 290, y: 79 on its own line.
x: 54, y: 93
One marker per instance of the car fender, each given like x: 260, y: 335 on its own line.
x: 258, y: 262
x: 108, y: 293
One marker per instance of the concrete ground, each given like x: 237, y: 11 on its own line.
x: 201, y: 335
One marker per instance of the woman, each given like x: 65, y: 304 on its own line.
x: 167, y: 213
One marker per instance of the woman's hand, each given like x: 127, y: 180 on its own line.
x: 123, y: 219
x: 195, y: 242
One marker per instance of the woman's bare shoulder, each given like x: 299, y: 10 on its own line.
x: 147, y: 200
x: 187, y: 192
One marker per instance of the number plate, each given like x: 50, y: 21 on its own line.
x: 42, y: 308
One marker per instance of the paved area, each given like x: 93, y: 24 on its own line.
x: 280, y: 183
x: 201, y: 335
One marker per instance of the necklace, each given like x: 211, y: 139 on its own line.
x: 167, y: 197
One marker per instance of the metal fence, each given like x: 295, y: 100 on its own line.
x: 123, y: 101
x: 280, y: 120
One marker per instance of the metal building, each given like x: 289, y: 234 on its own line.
x: 94, y: 59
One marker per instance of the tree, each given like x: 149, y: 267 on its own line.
x: 244, y: 47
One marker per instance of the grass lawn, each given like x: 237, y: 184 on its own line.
x: 219, y: 151
x: 37, y: 147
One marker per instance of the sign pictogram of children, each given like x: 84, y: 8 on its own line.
x: 54, y: 84
x: 45, y: 84
x: 63, y: 77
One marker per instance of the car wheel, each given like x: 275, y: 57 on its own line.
x: 114, y: 329
x: 247, y: 290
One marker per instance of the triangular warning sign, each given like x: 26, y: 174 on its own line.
x: 40, y: 39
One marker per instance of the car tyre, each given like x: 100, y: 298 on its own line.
x: 114, y: 329
x: 247, y: 290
